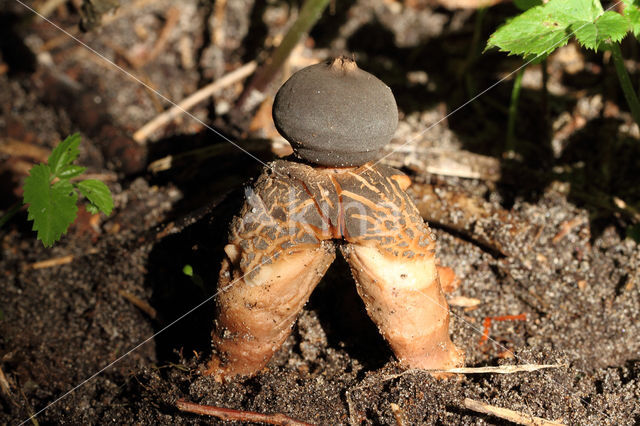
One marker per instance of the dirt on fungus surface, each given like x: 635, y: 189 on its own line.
x: 118, y: 292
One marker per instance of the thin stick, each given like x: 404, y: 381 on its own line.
x: 186, y: 104
x: 4, y: 384
x: 622, y: 205
x: 238, y: 415
x: 464, y: 302
x: 448, y: 162
x: 16, y: 148
x: 502, y: 369
x: 105, y: 177
x: 505, y: 413
x: 139, y: 303
x: 219, y: 29
x: 56, y: 261
x: 566, y: 227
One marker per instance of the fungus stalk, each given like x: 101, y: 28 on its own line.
x: 406, y: 302
x: 257, y: 311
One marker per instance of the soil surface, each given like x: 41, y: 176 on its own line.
x: 114, y: 332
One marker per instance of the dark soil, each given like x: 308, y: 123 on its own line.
x: 75, y: 349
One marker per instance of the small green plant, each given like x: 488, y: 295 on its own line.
x: 195, y: 278
x: 541, y: 29
x: 52, y: 196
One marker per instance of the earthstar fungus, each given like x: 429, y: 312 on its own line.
x: 337, y: 118
x: 335, y: 114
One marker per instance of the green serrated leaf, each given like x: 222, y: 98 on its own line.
x: 526, y: 4
x: 533, y: 32
x: 64, y: 154
x: 632, y: 12
x: 609, y: 27
x: 92, y: 208
x: 542, y: 29
x: 67, y: 172
x: 51, y: 207
x: 97, y: 193
x: 568, y: 12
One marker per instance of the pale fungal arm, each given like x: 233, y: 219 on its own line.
x: 257, y: 311
x: 403, y: 297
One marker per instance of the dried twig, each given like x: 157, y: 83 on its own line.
x: 59, y: 40
x: 567, y: 226
x: 238, y: 415
x: 105, y: 177
x: 631, y: 281
x: 16, y: 148
x: 56, y: 261
x: 29, y: 408
x: 505, y: 413
x: 139, y: 303
x: 218, y: 35
x: 185, y: 47
x: 463, y: 302
x: 186, y: 104
x: 4, y: 385
x: 448, y: 162
x: 622, y: 205
x: 501, y: 369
